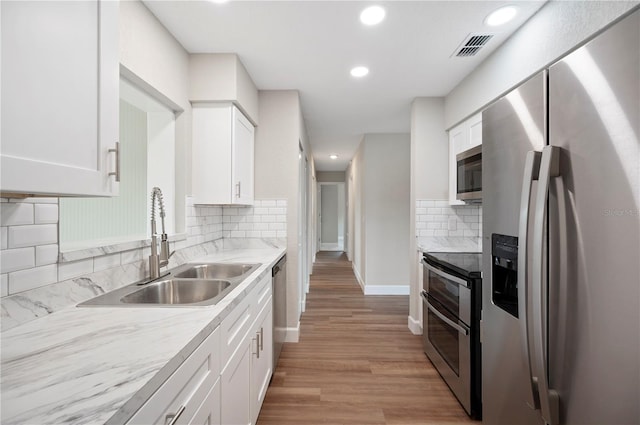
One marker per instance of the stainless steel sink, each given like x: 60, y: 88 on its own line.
x: 177, y: 291
x: 185, y: 286
x: 216, y: 271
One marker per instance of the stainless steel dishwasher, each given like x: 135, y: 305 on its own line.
x: 279, y: 273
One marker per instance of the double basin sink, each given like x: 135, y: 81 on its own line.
x: 187, y: 285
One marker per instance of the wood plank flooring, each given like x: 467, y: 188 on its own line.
x: 356, y: 362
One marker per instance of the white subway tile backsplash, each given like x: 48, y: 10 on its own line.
x: 32, y: 278
x: 46, y: 254
x: 436, y: 218
x: 281, y: 203
x: 16, y: 214
x: 38, y: 234
x: 276, y: 211
x: 12, y: 260
x: 4, y: 232
x: 46, y: 213
x: 74, y: 269
x: 4, y: 285
x: 281, y: 234
x: 276, y: 226
x: 269, y: 234
x: 269, y: 203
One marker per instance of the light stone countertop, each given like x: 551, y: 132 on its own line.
x: 448, y: 244
x: 99, y: 365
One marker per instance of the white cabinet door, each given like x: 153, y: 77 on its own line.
x: 236, y: 385
x: 209, y: 411
x: 461, y: 138
x: 262, y: 363
x: 243, y: 158
x: 474, y: 131
x: 457, y: 141
x: 222, y: 162
x: 59, y: 97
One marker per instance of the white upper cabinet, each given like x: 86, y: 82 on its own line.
x: 60, y: 77
x: 461, y: 138
x: 223, y: 155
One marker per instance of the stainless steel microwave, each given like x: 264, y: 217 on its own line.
x: 469, y: 175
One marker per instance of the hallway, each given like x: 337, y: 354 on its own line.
x: 356, y: 362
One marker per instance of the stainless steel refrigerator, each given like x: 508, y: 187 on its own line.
x: 560, y: 326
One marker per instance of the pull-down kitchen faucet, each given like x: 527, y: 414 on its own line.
x: 157, y: 261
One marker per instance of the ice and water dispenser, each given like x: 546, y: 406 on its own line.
x: 504, y: 273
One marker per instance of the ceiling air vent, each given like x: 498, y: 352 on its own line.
x: 472, y: 44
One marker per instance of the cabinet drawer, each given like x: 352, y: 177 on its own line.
x: 261, y: 294
x: 234, y: 328
x: 187, y: 387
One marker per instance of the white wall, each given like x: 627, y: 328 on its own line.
x: 151, y: 57
x: 557, y: 28
x: 379, y: 189
x: 221, y: 77
x: 387, y: 186
x: 278, y: 136
x: 429, y: 180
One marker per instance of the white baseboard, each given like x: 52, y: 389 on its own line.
x: 358, y: 277
x: 414, y: 326
x: 293, y: 334
x: 386, y: 290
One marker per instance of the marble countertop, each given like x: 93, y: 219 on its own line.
x: 448, y: 244
x: 99, y: 365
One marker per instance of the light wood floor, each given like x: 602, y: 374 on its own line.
x: 356, y: 362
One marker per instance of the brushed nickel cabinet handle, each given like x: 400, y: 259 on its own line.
x: 172, y: 419
x: 261, y: 338
x: 117, y: 152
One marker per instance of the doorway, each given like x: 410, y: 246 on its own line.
x: 331, y: 216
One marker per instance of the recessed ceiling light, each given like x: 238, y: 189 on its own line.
x: 334, y: 156
x: 501, y: 16
x: 372, y: 15
x: 359, y: 71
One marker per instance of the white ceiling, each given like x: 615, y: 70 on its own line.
x: 310, y: 46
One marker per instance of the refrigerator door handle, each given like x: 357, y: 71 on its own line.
x: 549, y: 399
x: 531, y: 171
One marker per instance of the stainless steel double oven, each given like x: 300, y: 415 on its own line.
x: 451, y: 306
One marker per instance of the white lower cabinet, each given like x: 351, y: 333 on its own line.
x: 190, y: 392
x: 262, y: 359
x: 224, y: 381
x: 236, y: 386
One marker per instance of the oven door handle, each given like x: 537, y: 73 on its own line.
x: 445, y: 319
x: 444, y: 275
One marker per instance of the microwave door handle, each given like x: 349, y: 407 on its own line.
x: 444, y: 275
x: 549, y: 399
x: 531, y: 171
